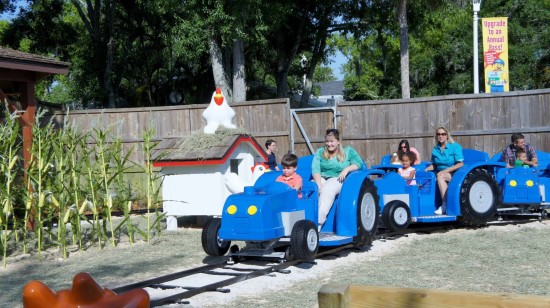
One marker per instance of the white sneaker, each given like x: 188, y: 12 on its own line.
x: 442, y: 209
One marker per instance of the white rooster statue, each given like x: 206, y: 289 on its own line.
x: 218, y: 113
x: 235, y: 184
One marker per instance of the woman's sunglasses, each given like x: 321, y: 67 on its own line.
x: 441, y: 134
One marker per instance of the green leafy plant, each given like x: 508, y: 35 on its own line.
x: 9, y: 147
x: 152, y: 178
x: 40, y: 172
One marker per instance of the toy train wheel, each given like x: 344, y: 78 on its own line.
x: 478, y: 198
x: 396, y: 215
x: 304, y: 240
x: 367, y: 214
x: 211, y: 242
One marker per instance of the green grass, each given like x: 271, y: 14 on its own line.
x: 504, y: 259
x: 110, y: 266
x: 485, y: 260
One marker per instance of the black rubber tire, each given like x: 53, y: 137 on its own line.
x: 396, y: 216
x: 367, y: 214
x: 479, y: 198
x: 304, y: 241
x: 211, y: 244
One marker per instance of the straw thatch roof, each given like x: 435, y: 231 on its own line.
x: 199, y: 146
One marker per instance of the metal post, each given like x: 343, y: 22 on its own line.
x: 476, y: 6
x: 476, y: 65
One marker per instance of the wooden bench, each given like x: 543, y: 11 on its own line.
x: 335, y: 295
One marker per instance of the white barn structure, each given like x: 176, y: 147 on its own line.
x: 195, y: 183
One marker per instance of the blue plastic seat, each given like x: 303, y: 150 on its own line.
x: 471, y: 156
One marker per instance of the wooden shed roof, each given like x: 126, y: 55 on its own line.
x: 169, y: 151
x: 19, y: 60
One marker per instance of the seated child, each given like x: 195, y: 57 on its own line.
x: 521, y: 157
x: 407, y: 171
x: 289, y: 176
x: 395, y: 159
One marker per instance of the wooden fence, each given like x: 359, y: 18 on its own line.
x: 266, y: 119
x: 480, y: 121
x: 342, y: 296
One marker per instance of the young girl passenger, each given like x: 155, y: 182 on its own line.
x: 407, y: 171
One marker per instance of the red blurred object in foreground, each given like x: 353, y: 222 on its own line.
x: 218, y: 98
x: 85, y: 293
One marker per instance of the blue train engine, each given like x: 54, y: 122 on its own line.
x: 276, y: 221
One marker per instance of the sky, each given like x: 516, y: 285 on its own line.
x: 7, y: 16
x: 337, y: 61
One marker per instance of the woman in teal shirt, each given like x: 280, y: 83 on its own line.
x: 331, y: 164
x: 447, y: 157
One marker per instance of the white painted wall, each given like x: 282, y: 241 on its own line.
x: 201, y: 190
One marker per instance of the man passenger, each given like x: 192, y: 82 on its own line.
x: 518, y: 143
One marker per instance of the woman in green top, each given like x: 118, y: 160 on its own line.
x: 331, y: 164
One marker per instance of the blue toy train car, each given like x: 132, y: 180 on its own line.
x: 478, y: 191
x: 275, y: 223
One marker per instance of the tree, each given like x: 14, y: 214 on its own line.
x: 228, y: 27
x: 404, y: 48
x: 7, y: 6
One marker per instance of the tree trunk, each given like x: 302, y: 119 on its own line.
x: 107, y: 78
x: 108, y: 74
x: 318, y: 51
x: 281, y: 78
x: 404, y: 49
x: 239, y: 84
x: 220, y: 78
x: 285, y: 56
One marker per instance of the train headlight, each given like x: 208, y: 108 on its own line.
x: 513, y: 183
x: 232, y: 209
x: 252, y: 210
x: 529, y: 183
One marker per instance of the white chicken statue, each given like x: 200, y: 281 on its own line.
x: 218, y: 113
x: 236, y: 184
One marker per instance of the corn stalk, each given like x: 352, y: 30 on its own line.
x: 121, y: 163
x: 9, y: 147
x: 152, y: 190
x: 39, y: 172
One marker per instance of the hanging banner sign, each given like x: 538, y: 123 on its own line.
x: 495, y: 54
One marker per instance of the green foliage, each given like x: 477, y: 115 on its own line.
x: 440, y: 48
x: 4, y: 24
x: 142, y: 53
x: 10, y: 146
x: 54, y: 89
x: 69, y: 178
x: 7, y: 6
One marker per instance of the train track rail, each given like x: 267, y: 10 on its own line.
x: 178, y: 287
